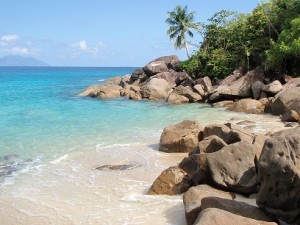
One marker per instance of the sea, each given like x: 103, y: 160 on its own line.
x: 52, y: 141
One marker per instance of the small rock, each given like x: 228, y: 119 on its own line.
x: 172, y: 181
x: 290, y: 116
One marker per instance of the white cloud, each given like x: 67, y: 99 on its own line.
x: 83, y: 45
x: 9, y: 38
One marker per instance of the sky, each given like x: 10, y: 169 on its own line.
x: 98, y: 32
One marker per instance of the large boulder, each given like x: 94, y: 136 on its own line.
x: 279, y: 176
x: 232, y: 168
x: 247, y: 105
x: 287, y: 99
x: 273, y: 88
x: 257, y: 88
x: 196, y: 167
x: 188, y: 93
x: 182, y: 78
x: 171, y: 181
x: 171, y: 61
x: 240, y: 88
x: 192, y: 200
x: 211, y: 144
x: 230, y: 133
x: 181, y: 137
x: 155, y: 67
x: 175, y: 98
x: 235, y: 207
x: 205, y: 82
x: 213, y: 216
x: 156, y: 89
x: 167, y: 76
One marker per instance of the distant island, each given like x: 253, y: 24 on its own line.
x: 14, y: 60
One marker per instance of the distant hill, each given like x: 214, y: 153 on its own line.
x: 14, y: 60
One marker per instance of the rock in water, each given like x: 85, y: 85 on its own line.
x: 172, y: 181
x: 279, y: 175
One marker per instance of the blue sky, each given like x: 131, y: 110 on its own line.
x: 96, y: 32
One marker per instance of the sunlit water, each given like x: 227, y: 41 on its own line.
x: 51, y: 141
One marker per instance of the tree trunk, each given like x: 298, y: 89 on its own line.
x: 186, y: 46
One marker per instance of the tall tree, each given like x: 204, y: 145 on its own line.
x: 181, y: 22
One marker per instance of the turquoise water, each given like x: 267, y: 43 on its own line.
x: 42, y: 117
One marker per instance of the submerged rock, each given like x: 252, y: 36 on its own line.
x: 119, y: 167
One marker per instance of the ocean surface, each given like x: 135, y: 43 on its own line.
x: 52, y: 141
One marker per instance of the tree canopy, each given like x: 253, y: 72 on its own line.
x: 266, y: 38
x: 181, y: 22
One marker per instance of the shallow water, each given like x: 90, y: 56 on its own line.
x: 54, y: 140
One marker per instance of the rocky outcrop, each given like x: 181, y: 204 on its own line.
x: 279, y: 176
x: 213, y: 216
x: 192, y: 200
x: 155, y: 89
x: 172, y: 181
x: 240, y: 88
x: 181, y: 137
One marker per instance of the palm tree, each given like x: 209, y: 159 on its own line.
x: 181, y: 22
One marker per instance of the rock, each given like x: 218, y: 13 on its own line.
x: 212, y: 216
x: 226, y: 104
x: 238, y: 73
x: 211, y: 144
x: 286, y: 132
x: 90, y: 91
x: 229, y: 133
x: 109, y: 91
x: 167, y: 76
x: 119, y: 167
x: 257, y: 88
x: 155, y: 67
x: 196, y: 167
x: 273, y: 88
x: 287, y: 99
x: 279, y: 176
x: 192, y: 200
x: 247, y: 105
x: 235, y: 207
x: 182, y: 78
x: 205, y: 82
x: 198, y: 88
x: 135, y: 88
x: 135, y: 96
x: 138, y: 76
x: 188, y: 93
x: 175, y: 98
x: 172, y: 181
x: 258, y: 143
x: 232, y: 168
x: 155, y: 89
x: 290, y: 116
x: 240, y: 88
x: 171, y: 61
x: 181, y: 137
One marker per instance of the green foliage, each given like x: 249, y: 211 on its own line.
x: 268, y: 37
x: 181, y: 22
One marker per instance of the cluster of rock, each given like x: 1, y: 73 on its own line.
x: 254, y: 93
x: 162, y: 79
x: 227, y: 159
